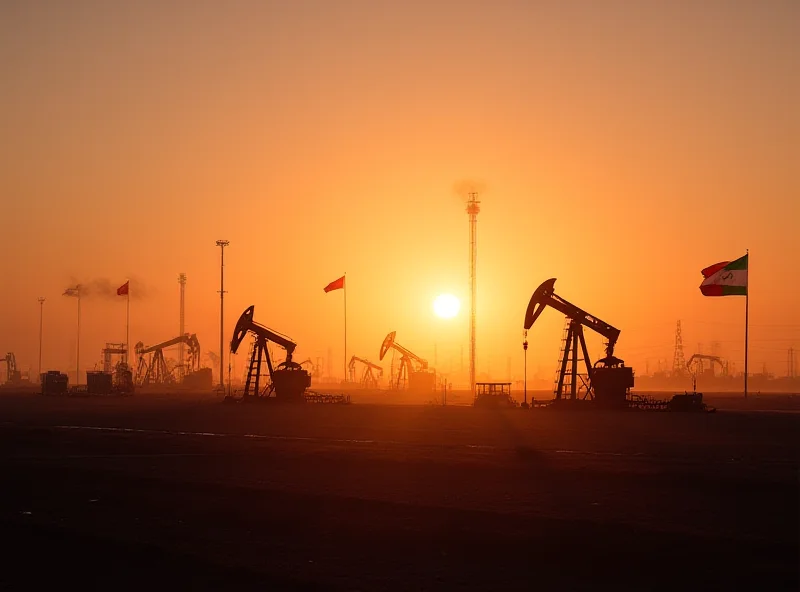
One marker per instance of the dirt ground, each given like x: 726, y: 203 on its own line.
x: 184, y: 492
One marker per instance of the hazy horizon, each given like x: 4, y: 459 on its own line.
x: 620, y: 147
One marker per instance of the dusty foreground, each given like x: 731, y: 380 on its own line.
x: 192, y: 494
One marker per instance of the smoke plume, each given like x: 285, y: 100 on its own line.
x: 105, y: 288
x: 464, y: 187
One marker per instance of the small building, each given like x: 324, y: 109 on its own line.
x: 99, y: 383
x: 54, y: 383
x: 422, y: 381
x: 493, y: 394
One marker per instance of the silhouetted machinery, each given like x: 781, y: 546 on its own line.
x: 368, y: 378
x: 99, y: 382
x: 288, y: 381
x: 609, y: 381
x: 697, y: 368
x: 493, y: 394
x: 154, y: 370
x: 412, y: 367
x: 13, y: 375
x: 54, y: 383
x: 308, y: 362
x: 117, y: 376
x: 110, y: 351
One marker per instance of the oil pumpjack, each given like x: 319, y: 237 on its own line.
x: 608, y: 381
x: 13, y: 375
x: 368, y: 378
x: 412, y: 367
x: 288, y: 380
x: 155, y: 370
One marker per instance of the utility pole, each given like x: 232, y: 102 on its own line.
x: 181, y: 349
x: 222, y: 244
x: 78, y: 352
x: 41, y: 318
x: 525, y: 377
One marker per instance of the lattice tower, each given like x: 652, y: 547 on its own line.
x: 678, y: 361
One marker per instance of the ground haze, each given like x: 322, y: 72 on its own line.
x: 391, y: 498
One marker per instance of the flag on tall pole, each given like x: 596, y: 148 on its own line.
x: 340, y: 285
x: 729, y: 278
x: 335, y: 285
x: 125, y: 290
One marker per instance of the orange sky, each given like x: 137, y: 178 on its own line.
x: 623, y: 146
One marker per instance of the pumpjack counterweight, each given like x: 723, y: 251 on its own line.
x: 287, y: 381
x: 608, y: 381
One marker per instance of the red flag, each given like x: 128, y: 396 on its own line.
x: 123, y: 289
x: 335, y: 285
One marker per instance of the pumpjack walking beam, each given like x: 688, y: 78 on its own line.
x: 545, y: 296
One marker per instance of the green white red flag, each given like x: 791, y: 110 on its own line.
x: 728, y: 278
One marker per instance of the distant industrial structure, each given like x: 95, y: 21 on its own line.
x: 413, y: 372
x: 153, y: 370
x: 14, y: 376
x: 369, y: 378
x: 678, y: 361
x: 473, y: 208
x: 714, y: 372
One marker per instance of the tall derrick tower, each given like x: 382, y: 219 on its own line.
x: 473, y: 208
x: 678, y: 361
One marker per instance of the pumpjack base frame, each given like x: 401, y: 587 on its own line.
x: 681, y: 403
x: 311, y: 397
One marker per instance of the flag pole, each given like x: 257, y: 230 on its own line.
x: 746, y: 321
x: 78, y: 352
x: 345, y: 326
x: 128, y: 325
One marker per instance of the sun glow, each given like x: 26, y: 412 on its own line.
x: 446, y: 306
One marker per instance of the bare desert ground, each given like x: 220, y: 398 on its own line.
x: 183, y: 492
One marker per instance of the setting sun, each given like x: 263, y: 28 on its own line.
x: 446, y: 306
